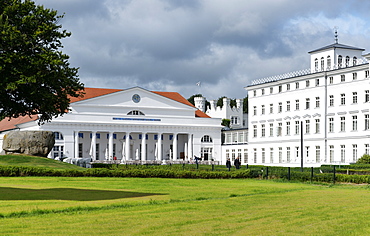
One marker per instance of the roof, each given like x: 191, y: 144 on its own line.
x: 337, y: 45
x: 7, y: 124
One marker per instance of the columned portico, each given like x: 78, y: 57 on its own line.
x: 174, y: 146
x: 76, y: 142
x: 143, y: 146
x: 159, y: 146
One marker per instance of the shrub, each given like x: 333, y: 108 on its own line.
x: 365, y: 159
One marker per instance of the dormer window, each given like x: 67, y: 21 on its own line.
x: 316, y: 64
x: 347, y: 61
x: 339, y: 61
x: 135, y: 113
x: 328, y: 62
x: 322, y: 64
x: 354, y: 61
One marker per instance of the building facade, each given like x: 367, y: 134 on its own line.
x: 319, y: 115
x: 126, y: 125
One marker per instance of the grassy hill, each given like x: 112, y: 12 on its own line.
x: 33, y: 161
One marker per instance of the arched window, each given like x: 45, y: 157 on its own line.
x: 339, y: 61
x: 316, y: 64
x: 322, y: 64
x: 354, y: 61
x: 328, y: 62
x: 347, y: 61
x: 206, y: 139
x: 58, y: 136
x: 135, y: 113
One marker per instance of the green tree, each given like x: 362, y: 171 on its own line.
x: 365, y: 159
x: 36, y: 78
x: 245, y: 105
x: 225, y: 122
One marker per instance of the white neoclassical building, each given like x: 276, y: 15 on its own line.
x: 131, y: 124
x: 331, y: 102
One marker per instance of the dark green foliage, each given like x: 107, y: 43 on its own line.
x: 365, y: 159
x: 226, y: 122
x: 36, y: 78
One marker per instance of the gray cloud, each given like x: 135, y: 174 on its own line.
x: 170, y: 45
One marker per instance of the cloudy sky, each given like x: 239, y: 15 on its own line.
x: 170, y: 45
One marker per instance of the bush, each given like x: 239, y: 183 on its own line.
x: 365, y: 159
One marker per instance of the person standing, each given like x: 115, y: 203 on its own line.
x: 228, y: 164
x: 237, y: 163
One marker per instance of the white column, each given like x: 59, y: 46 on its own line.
x: 110, y: 146
x: 190, y: 146
x: 160, y: 146
x: 127, y: 148
x: 174, y: 144
x: 93, y: 146
x: 76, y: 140
x: 143, y: 146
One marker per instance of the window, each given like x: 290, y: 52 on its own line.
x: 297, y: 105
x: 255, y: 155
x: 354, y: 61
x: 367, y: 149
x: 263, y: 91
x: 342, y: 124
x: 297, y: 85
x: 263, y: 109
x: 342, y: 153
x: 317, y: 126
x: 280, y: 88
x: 254, y: 110
x: 331, y: 125
x: 342, y: 99
x: 81, y: 135
x: 354, y: 76
x: 297, y: 152
x: 354, y: 152
x: 316, y: 64
x: 288, y: 128
x: 271, y: 155
x: 58, y: 152
x: 271, y: 129
x: 354, y: 123
x: 263, y: 155
x: 328, y: 62
x: 331, y: 80
x: 307, y: 83
x: 354, y: 97
x: 317, y: 83
x: 206, y: 139
x: 245, y: 155
x: 271, y: 108
x: 58, y: 136
x: 331, y: 100
x: 254, y: 93
x: 367, y: 122
x: 234, y: 120
x: 279, y: 129
x: 135, y: 113
x: 307, y: 126
x: 97, y: 151
x: 288, y: 106
x: 307, y: 152
x: 367, y: 96
x: 317, y: 103
x: 307, y: 103
x: 322, y: 64
x: 288, y: 154
x: 297, y: 127
x: 340, y: 61
x: 254, y: 131
x: 366, y: 73
x: 331, y: 153
x: 342, y: 78
x: 288, y: 87
x: 80, y: 150
x: 263, y: 130
x: 280, y: 107
x: 317, y: 154
x: 280, y: 154
x: 347, y: 61
x: 271, y: 90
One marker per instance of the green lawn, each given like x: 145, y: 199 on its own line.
x: 33, y: 161
x: 137, y: 206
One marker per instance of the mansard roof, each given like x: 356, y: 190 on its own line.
x: 337, y: 45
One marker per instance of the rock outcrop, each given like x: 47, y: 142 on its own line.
x: 35, y: 143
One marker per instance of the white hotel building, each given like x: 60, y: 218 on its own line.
x: 331, y: 99
x: 129, y: 125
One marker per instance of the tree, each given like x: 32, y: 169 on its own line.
x: 365, y: 159
x: 36, y: 78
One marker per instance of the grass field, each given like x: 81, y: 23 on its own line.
x: 136, y: 206
x: 33, y: 161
